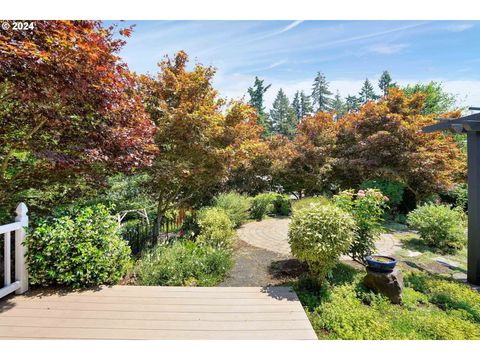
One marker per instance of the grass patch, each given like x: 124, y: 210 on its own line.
x: 433, y: 308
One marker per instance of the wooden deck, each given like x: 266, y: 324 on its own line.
x: 143, y: 312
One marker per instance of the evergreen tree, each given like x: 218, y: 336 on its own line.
x: 385, y: 82
x: 338, y: 106
x: 301, y: 105
x: 297, y: 106
x: 320, y: 93
x: 256, y: 100
x: 367, y: 93
x: 352, y: 103
x: 283, y: 115
x: 306, y: 104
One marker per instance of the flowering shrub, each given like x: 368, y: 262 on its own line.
x: 215, y: 227
x: 366, y: 207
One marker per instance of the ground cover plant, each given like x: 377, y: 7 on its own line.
x: 433, y: 308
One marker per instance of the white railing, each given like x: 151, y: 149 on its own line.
x: 21, y: 276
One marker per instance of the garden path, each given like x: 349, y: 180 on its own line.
x: 272, y: 235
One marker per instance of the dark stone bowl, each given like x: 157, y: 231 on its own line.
x: 381, y: 266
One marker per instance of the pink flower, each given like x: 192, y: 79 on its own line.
x: 361, y: 194
x: 385, y: 198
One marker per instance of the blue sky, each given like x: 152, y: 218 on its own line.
x: 289, y: 53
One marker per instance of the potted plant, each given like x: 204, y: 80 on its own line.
x: 381, y: 263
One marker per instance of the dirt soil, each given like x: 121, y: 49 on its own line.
x: 260, y: 267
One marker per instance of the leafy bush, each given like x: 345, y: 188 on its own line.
x: 458, y: 196
x: 439, y: 226
x: 235, y: 205
x: 78, y: 250
x: 216, y: 228
x: 300, y: 204
x: 319, y: 235
x: 392, y: 189
x: 366, y: 207
x: 183, y: 263
x: 269, y: 203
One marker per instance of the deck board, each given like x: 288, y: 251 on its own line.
x: 129, y: 312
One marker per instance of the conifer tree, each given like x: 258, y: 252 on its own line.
x: 297, y: 106
x: 306, y: 104
x: 352, y: 103
x: 367, y: 93
x: 256, y: 100
x: 321, y: 94
x: 283, y: 116
x: 338, y: 106
x: 385, y: 82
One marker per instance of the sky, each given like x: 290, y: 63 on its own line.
x: 288, y: 54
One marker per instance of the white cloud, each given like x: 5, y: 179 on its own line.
x: 387, y: 49
x: 458, y: 27
x: 290, y: 26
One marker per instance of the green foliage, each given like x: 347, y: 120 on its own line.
x: 458, y: 196
x: 283, y: 116
x: 183, y: 264
x: 437, y: 99
x: 301, y: 204
x: 269, y: 203
x: 236, y: 206
x: 78, y: 250
x: 256, y: 94
x: 366, y: 207
x: 319, y: 235
x: 439, y: 226
x: 321, y: 94
x: 367, y: 92
x: 433, y: 308
x: 391, y: 189
x: 216, y: 228
x: 447, y: 294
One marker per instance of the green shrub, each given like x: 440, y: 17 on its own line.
x: 458, y: 196
x: 78, y: 250
x: 269, y: 203
x: 183, y: 263
x: 392, y: 189
x: 300, y: 204
x: 319, y: 235
x: 366, y: 207
x: 235, y: 205
x: 215, y: 227
x: 439, y: 226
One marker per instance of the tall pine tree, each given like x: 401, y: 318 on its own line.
x: 338, y: 106
x: 367, y: 93
x: 256, y: 100
x: 283, y: 115
x: 352, y: 103
x: 306, y: 104
x: 320, y: 93
x: 385, y: 82
x: 301, y: 105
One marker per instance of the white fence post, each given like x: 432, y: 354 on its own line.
x: 21, y: 274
